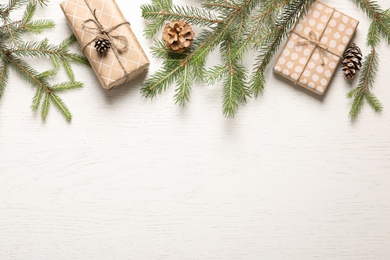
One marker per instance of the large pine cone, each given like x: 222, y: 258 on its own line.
x: 352, y: 61
x: 178, y: 35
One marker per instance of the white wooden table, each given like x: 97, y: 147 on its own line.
x: 289, y: 178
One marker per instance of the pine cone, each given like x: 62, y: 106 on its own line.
x: 102, y: 45
x: 352, y: 61
x: 178, y: 35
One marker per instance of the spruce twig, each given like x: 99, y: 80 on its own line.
x: 237, y: 27
x: 363, y: 92
x: 379, y: 28
x: 14, y: 52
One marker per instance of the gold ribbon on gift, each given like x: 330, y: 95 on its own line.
x: 314, y: 39
x: 108, y: 34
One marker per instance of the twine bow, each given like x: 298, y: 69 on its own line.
x: 106, y: 32
x: 313, y: 39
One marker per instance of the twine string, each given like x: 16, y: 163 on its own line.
x: 98, y: 27
x: 314, y: 39
x: 106, y: 32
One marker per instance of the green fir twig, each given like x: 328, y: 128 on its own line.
x: 237, y: 27
x: 14, y: 52
x: 379, y: 29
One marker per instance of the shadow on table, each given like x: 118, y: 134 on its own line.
x: 125, y: 90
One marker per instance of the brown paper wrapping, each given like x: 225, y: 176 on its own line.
x: 112, y: 70
x: 301, y: 64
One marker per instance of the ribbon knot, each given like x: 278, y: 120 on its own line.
x: 107, y: 32
x: 313, y: 39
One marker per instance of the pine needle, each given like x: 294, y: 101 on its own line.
x: 4, y: 71
x: 57, y: 101
x: 69, y: 70
x: 45, y: 106
x: 183, y: 90
x: 36, y: 102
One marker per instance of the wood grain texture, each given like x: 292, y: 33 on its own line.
x: 289, y: 178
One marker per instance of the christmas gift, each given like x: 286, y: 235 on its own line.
x: 107, y: 40
x: 315, y: 47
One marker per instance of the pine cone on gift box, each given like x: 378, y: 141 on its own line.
x: 352, y: 61
x: 178, y: 35
x: 102, y: 45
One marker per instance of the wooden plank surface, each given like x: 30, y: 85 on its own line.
x: 289, y: 178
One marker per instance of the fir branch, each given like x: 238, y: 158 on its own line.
x: 234, y: 87
x: 38, y: 26
x: 380, y: 17
x: 193, y: 15
x: 29, y: 13
x: 379, y: 28
x: 273, y: 39
x: 37, y: 99
x: 45, y: 106
x: 14, y: 52
x: 374, y: 102
x: 52, y: 72
x: 163, y: 4
x: 218, y: 6
x: 232, y: 30
x: 66, y: 43
x: 363, y: 93
x: 27, y: 72
x: 13, y: 4
x: 4, y: 72
x: 57, y: 101
x: 79, y: 59
x: 238, y: 26
x: 384, y: 25
x: 373, y: 36
x: 40, y: 2
x: 66, y: 86
x: 370, y: 7
x: 183, y: 89
x: 37, y: 50
x: 69, y: 70
x: 152, y: 28
x: 161, y: 80
x: 157, y: 23
x: 10, y: 34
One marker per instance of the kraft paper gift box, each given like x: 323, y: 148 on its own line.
x: 91, y: 19
x: 315, y: 47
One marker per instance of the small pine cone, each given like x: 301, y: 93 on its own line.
x: 102, y: 45
x: 352, y: 61
x: 178, y: 35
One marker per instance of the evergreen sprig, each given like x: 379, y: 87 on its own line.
x: 237, y: 27
x: 14, y: 51
x: 379, y: 29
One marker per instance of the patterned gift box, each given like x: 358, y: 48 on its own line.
x: 315, y: 47
x: 90, y: 19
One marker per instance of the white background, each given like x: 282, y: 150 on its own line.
x: 129, y: 178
